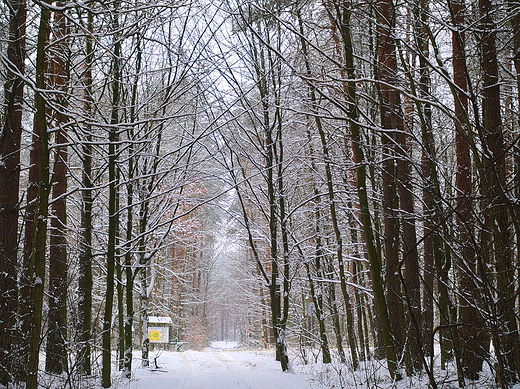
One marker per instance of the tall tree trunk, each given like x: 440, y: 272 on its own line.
x: 392, y: 125
x: 472, y: 334
x: 274, y: 287
x: 285, y: 245
x: 85, y: 256
x: 505, y: 335
x: 515, y: 24
x: 278, y: 153
x: 113, y: 216
x: 430, y: 245
x: 432, y: 210
x: 144, y: 263
x: 36, y: 266
x: 25, y: 287
x: 130, y: 276
x: 119, y: 285
x: 373, y: 253
x: 56, y: 353
x: 10, y: 139
x: 332, y: 207
x: 265, y: 70
x: 129, y: 273
x: 410, y: 274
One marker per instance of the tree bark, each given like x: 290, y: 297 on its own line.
x: 471, y: 333
x: 85, y: 257
x: 373, y: 253
x: 36, y: 266
x: 130, y: 276
x: 431, y: 239
x: 56, y: 353
x: 113, y: 216
x: 515, y: 25
x: 410, y: 274
x: 496, y: 212
x: 332, y: 208
x: 10, y: 139
x: 392, y: 125
x: 35, y: 179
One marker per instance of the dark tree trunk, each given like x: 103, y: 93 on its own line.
x: 374, y: 256
x: 25, y: 287
x: 274, y: 287
x: 111, y: 258
x: 113, y: 216
x: 35, y: 271
x: 410, y: 274
x: 10, y: 139
x: 119, y: 291
x: 472, y: 339
x: 332, y: 198
x: 497, y: 216
x: 432, y: 211
x: 130, y: 276
x: 431, y: 239
x: 85, y: 257
x: 392, y: 125
x: 56, y: 353
x: 515, y: 24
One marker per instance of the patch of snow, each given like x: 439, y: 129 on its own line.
x: 232, y: 369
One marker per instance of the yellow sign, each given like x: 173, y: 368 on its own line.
x: 154, y: 336
x: 158, y: 334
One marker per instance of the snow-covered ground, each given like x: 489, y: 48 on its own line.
x: 224, y: 366
x: 218, y: 367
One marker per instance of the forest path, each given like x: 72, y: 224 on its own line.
x: 215, y: 368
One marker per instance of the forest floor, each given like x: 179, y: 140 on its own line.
x: 218, y: 367
x: 226, y: 366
